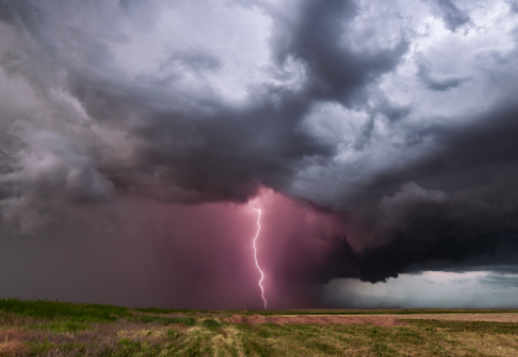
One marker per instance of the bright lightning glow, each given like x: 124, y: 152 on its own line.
x: 259, y: 212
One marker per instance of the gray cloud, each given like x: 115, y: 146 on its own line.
x: 184, y: 139
x: 509, y: 280
x: 452, y: 15
x: 428, y: 290
x: 514, y: 5
x: 316, y: 37
x: 362, y: 110
x: 436, y: 83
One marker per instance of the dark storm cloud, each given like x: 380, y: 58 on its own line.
x: 316, y: 37
x: 202, y: 146
x: 468, y: 223
x: 465, y: 158
x: 109, y: 112
x: 91, y: 136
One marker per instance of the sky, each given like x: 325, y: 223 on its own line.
x: 378, y: 138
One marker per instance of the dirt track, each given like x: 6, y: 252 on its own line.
x: 380, y: 320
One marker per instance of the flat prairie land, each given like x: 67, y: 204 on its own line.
x: 43, y: 328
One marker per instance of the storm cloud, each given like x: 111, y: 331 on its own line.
x: 386, y: 131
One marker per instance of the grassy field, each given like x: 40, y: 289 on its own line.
x: 42, y: 328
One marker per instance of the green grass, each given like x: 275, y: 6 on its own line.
x: 187, y: 321
x: 211, y: 324
x: 43, y: 328
x: 156, y: 310
x: 53, y: 310
x: 40, y: 348
x: 60, y: 326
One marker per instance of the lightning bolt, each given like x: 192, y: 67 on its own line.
x: 259, y: 212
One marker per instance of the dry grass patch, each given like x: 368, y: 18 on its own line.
x: 488, y: 345
x: 12, y: 348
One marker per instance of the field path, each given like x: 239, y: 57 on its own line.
x: 380, y: 320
